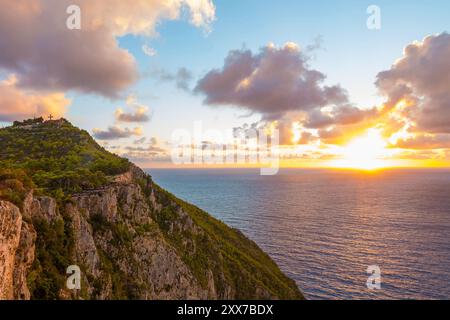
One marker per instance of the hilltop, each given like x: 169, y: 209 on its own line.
x: 64, y: 200
x: 59, y: 157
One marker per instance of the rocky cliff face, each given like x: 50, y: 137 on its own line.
x: 10, y: 227
x: 131, y: 240
x: 16, y: 252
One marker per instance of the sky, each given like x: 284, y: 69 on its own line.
x: 338, y: 92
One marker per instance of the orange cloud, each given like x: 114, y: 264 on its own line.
x: 17, y: 104
x: 140, y: 113
x: 441, y: 141
x: 421, y: 78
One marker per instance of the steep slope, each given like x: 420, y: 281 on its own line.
x: 65, y: 201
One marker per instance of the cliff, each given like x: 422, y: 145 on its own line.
x: 130, y: 238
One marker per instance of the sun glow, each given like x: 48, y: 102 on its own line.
x: 366, y: 152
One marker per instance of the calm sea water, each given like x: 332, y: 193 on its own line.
x: 324, y: 228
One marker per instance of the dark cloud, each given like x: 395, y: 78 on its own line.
x: 36, y: 45
x: 279, y: 84
x: 342, y: 115
x: 115, y: 132
x: 182, y: 77
x: 272, y: 82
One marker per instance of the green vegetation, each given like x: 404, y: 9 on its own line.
x: 120, y: 231
x: 243, y: 264
x: 14, y: 185
x: 118, y: 278
x: 28, y: 122
x: 146, y: 228
x: 55, y: 158
x: 60, y: 158
x: 54, y: 248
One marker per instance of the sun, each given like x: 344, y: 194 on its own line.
x: 365, y: 152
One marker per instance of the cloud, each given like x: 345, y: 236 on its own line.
x: 36, y: 45
x: 142, y: 16
x: 421, y: 79
x: 423, y: 141
x: 115, y: 132
x: 140, y: 141
x: 342, y: 115
x: 147, y: 159
x: 422, y: 155
x: 271, y: 82
x: 150, y: 152
x: 152, y: 146
x: 279, y: 84
x: 17, y: 104
x: 182, y: 77
x: 139, y: 114
x: 150, y: 149
x: 149, y: 51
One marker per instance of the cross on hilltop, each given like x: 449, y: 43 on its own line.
x: 50, y: 117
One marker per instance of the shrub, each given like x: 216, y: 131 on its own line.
x: 14, y: 185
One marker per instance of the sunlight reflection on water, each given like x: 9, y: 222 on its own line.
x: 325, y: 227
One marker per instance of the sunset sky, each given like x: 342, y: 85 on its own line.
x: 340, y: 94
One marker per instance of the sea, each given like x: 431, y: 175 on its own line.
x: 340, y: 234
